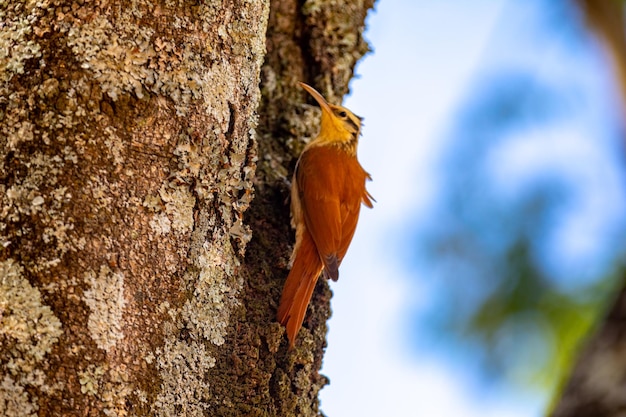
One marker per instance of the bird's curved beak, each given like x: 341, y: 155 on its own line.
x: 317, y: 96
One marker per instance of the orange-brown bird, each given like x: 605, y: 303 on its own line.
x: 327, y: 190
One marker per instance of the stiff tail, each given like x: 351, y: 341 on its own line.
x: 299, y: 287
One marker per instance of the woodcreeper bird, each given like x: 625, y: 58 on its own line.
x: 327, y: 190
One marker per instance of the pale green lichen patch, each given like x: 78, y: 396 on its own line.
x: 184, y: 388
x: 184, y: 364
x: 115, y: 392
x: 161, y: 224
x: 153, y: 203
x: 15, y: 47
x: 22, y: 132
x: 208, y: 311
x: 27, y: 324
x: 111, y: 385
x: 26, y: 197
x: 118, y: 62
x: 106, y: 301
x: 114, y: 144
x: 100, y: 191
x: 90, y: 379
x: 28, y: 330
x: 14, y: 401
x: 129, y: 59
x: 179, y: 204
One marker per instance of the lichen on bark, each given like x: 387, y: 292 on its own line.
x: 28, y: 331
x: 127, y: 161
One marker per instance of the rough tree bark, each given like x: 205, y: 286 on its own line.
x: 138, y: 275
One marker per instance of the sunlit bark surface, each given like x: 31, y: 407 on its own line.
x: 129, y: 283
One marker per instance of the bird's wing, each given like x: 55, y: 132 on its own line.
x: 331, y: 189
x: 318, y: 186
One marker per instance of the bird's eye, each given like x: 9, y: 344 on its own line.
x: 342, y: 114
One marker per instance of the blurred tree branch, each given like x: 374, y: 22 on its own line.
x: 606, y: 19
x: 597, y: 383
x: 598, y: 379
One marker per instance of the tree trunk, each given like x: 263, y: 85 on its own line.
x: 597, y: 384
x: 131, y: 281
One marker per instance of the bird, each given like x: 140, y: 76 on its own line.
x: 327, y: 190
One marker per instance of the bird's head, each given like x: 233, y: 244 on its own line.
x: 339, y: 125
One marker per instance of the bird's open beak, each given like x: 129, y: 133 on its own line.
x: 317, y: 96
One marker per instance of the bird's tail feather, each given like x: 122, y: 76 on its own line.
x: 299, y: 287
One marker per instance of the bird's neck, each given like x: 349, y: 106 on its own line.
x: 346, y: 143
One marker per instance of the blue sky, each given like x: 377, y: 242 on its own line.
x: 427, y: 60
